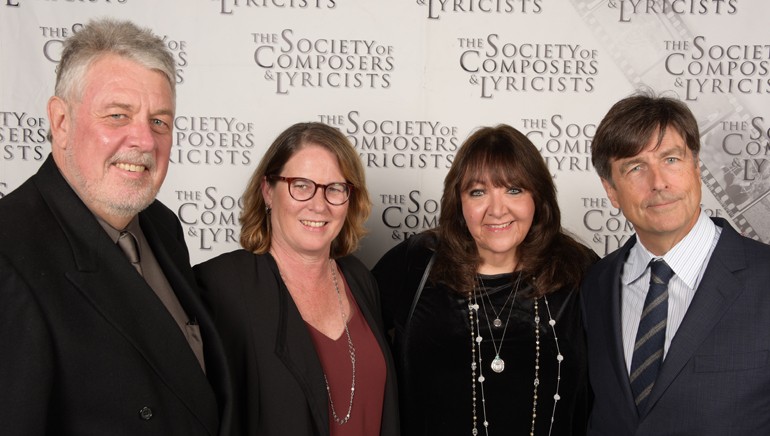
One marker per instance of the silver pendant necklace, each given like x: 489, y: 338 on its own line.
x: 498, y: 364
x: 497, y: 322
x: 476, y: 360
x: 351, y: 350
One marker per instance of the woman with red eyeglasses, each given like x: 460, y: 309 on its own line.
x: 299, y: 316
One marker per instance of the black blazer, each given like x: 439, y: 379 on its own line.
x: 715, y: 379
x: 86, y: 346
x: 278, y: 379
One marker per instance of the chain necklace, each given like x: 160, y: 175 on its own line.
x: 476, y: 364
x: 497, y: 322
x: 498, y: 364
x: 352, y: 351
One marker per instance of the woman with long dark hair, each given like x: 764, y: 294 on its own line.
x: 487, y: 329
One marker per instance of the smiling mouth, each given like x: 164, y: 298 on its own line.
x: 660, y: 204
x: 313, y: 223
x: 130, y: 167
x: 499, y: 226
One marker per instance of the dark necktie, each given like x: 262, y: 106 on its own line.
x: 127, y: 243
x: 651, y: 336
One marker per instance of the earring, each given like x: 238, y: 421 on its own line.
x: 268, y: 209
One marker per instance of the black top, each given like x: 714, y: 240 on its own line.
x: 433, y: 353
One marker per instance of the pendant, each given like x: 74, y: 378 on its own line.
x: 497, y: 323
x: 498, y: 365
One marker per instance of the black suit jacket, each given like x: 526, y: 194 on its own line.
x: 278, y: 378
x: 86, y: 347
x: 715, y: 379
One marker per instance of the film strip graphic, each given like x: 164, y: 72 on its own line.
x: 637, y: 47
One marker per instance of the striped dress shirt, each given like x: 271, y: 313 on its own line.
x: 688, y: 258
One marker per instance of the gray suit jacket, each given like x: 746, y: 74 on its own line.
x: 86, y: 347
x: 715, y: 379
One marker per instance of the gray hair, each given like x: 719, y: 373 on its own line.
x: 106, y: 36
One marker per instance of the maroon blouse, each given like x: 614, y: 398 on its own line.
x: 366, y: 414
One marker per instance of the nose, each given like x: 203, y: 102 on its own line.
x: 142, y: 135
x: 657, y: 178
x: 497, y: 203
x: 318, y: 201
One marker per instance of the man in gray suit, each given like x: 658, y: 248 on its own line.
x: 678, y: 319
x: 101, y: 327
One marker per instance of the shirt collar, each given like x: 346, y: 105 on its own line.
x: 691, y: 251
x: 114, y: 234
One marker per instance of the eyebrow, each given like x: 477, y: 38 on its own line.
x: 168, y: 112
x: 676, y: 150
x: 130, y: 108
x: 630, y: 162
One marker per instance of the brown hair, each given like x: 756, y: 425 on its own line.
x: 632, y: 122
x: 255, y: 221
x: 507, y: 158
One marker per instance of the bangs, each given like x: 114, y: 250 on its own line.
x: 496, y: 166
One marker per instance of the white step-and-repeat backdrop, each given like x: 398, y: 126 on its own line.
x: 407, y: 81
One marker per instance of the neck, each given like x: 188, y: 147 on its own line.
x: 302, y: 274
x: 118, y: 223
x: 497, y: 263
x: 661, y: 243
x: 293, y: 261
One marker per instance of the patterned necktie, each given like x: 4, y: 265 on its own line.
x: 651, y: 336
x: 127, y: 243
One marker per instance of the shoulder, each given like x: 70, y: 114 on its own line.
x: 20, y: 209
x: 226, y: 264
x: 600, y: 275
x: 564, y: 305
x: 161, y: 215
x: 356, y: 273
x: 733, y: 246
x: 229, y: 280
x: 350, y: 264
x: 413, y: 252
x: 568, y: 249
x: 30, y: 230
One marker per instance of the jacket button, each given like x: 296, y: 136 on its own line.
x: 145, y: 413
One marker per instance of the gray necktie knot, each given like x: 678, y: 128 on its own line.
x: 127, y: 243
x: 660, y: 272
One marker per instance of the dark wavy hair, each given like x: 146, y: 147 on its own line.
x: 632, y: 122
x: 255, y: 221
x: 506, y: 157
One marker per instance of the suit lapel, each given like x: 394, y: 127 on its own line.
x: 294, y: 346
x: 123, y: 298
x: 612, y: 277
x: 716, y: 293
x: 184, y: 373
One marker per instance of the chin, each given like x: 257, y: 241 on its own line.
x: 131, y: 204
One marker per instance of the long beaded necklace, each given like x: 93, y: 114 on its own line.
x: 352, y: 351
x: 476, y: 363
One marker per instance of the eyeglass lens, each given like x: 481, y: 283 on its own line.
x: 305, y: 189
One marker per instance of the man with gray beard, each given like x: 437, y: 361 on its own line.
x: 101, y: 328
